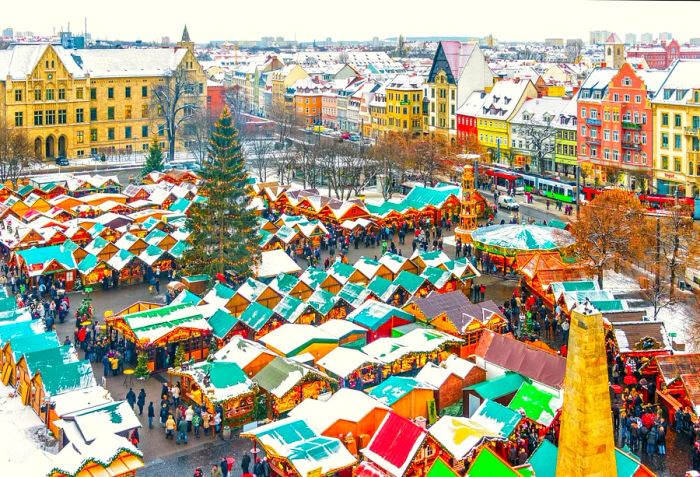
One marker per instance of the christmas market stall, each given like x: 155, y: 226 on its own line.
x: 677, y: 383
x: 348, y: 334
x: 251, y: 291
x: 218, y: 383
x: 287, y: 382
x: 538, y: 406
x: 351, y: 367
x: 55, y: 261
x: 640, y: 338
x: 256, y: 321
x: 500, y: 389
x: 249, y: 355
x: 296, y: 339
x: 161, y: 331
x: 129, y: 267
x: 540, y: 269
x: 292, y: 285
x: 379, y: 318
x: 407, y: 397
x: 396, y: 264
x: 108, y: 455
x: 274, y: 262
x: 14, y: 347
x: 93, y: 271
x: 88, y: 424
x: 349, y: 413
x: 316, y: 278
x: 295, y: 449
x: 460, y: 438
x: 502, y: 243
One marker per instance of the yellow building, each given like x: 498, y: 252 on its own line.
x: 493, y: 119
x: 74, y: 103
x: 282, y: 81
x: 377, y: 112
x: 676, y: 121
x: 404, y: 104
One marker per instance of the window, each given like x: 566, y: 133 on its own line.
x: 110, y: 93
x: 677, y: 141
x: 606, y: 115
x: 594, y: 114
x: 676, y: 165
x: 38, y: 118
x: 616, y: 116
x: 144, y: 111
x: 79, y: 115
x: 78, y: 93
x: 80, y: 153
x: 594, y: 133
x: 19, y: 118
x: 677, y: 120
x: 161, y: 130
x: 127, y: 112
x: 50, y: 117
x: 127, y: 132
x: 627, y: 98
x: 452, y: 95
x: 144, y: 131
x: 127, y: 92
x: 144, y: 146
x: 62, y: 116
x: 110, y: 112
x: 583, y: 112
x: 638, y: 99
x: 606, y: 134
x: 201, y: 88
x: 93, y: 114
x: 61, y: 93
x: 80, y: 137
x: 644, y: 138
x: 49, y: 94
x: 110, y: 134
x: 616, y: 97
x: 93, y: 93
x: 664, y: 119
x: 606, y: 153
x: 93, y: 134
x: 664, y: 140
x: 616, y: 135
x: 37, y: 94
x: 18, y: 95
x: 664, y: 162
x: 583, y: 130
x: 616, y: 155
x: 626, y: 81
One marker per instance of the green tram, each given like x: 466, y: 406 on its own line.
x: 550, y: 188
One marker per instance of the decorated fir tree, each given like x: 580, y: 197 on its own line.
x: 141, y: 371
x: 179, y: 356
x: 154, y: 159
x: 224, y: 230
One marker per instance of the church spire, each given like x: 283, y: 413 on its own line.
x: 185, y: 35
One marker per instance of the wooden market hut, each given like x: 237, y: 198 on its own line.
x: 443, y: 281
x: 448, y: 386
x: 196, y: 284
x: 256, y: 321
x: 252, y: 291
x: 316, y: 278
x: 379, y: 318
x: 218, y: 383
x: 55, y: 260
x: 345, y: 273
x: 293, y: 310
x: 541, y: 269
x: 14, y: 348
x: 286, y: 284
x: 351, y: 367
x: 327, y: 305
x: 677, y: 381
x: 348, y: 411
x: 249, y: 355
x: 102, y: 248
x: 285, y: 393
x: 407, y: 397
x: 159, y: 331
x: 121, y: 459
x: 540, y: 407
x: 160, y: 239
x: 129, y: 267
x: 131, y: 243
x: 298, y: 339
x: 396, y: 264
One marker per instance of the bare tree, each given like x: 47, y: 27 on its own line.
x: 430, y: 156
x: 235, y: 100
x: 16, y: 153
x: 345, y: 168
x: 539, y: 137
x: 573, y: 50
x: 391, y: 155
x: 197, y: 132
x: 285, y: 162
x: 175, y: 100
x: 307, y: 163
x: 262, y: 158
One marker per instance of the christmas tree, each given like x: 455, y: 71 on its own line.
x: 179, y: 356
x: 224, y: 230
x: 141, y: 371
x: 154, y: 159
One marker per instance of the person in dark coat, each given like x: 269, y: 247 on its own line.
x: 141, y: 401
x: 151, y: 414
x: 224, y: 467
x: 131, y: 398
x: 245, y: 463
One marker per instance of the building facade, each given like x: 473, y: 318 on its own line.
x: 663, y: 54
x: 404, y: 104
x: 75, y: 103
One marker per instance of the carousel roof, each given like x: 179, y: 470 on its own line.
x: 522, y: 237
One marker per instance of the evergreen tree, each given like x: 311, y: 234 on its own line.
x: 179, y: 356
x: 141, y: 371
x: 154, y: 159
x: 223, y: 229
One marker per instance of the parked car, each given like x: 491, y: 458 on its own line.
x: 507, y: 202
x: 345, y: 135
x: 354, y: 137
x: 62, y: 161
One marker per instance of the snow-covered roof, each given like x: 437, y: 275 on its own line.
x: 540, y: 111
x: 344, y: 361
x: 460, y: 435
x: 291, y: 338
x: 501, y: 102
x: 274, y: 262
x: 241, y: 351
x: 346, y: 405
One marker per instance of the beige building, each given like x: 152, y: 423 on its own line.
x: 74, y: 103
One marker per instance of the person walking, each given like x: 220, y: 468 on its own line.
x: 189, y: 414
x: 215, y: 471
x: 224, y: 467
x: 196, y: 423
x: 131, y: 398
x: 141, y: 401
x: 181, y: 432
x: 170, y: 427
x: 245, y: 463
x: 151, y: 414
x: 175, y: 392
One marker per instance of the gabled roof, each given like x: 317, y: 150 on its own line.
x: 373, y: 314
x: 282, y: 374
x: 536, y: 404
x: 395, y: 388
x: 452, y: 56
x: 395, y: 443
x: 256, y: 316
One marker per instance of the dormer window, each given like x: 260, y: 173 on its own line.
x: 626, y: 81
x: 679, y: 94
x: 668, y: 93
x: 506, y: 99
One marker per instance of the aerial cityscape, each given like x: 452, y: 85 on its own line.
x: 414, y: 244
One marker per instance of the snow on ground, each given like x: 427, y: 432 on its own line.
x: 617, y: 282
x: 24, y: 445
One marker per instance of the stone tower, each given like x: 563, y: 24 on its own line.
x: 586, y: 442
x: 185, y: 42
x: 467, y: 214
x: 614, y: 52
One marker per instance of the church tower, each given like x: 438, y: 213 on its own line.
x: 614, y: 52
x: 186, y: 42
x: 586, y: 443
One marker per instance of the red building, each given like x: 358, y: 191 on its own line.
x: 216, y: 98
x: 466, y: 118
x: 615, y: 131
x: 661, y: 55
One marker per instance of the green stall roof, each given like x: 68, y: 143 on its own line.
x: 441, y: 469
x: 61, y: 378
x: 221, y: 323
x: 488, y: 464
x: 537, y: 405
x: 256, y: 315
x: 498, y: 387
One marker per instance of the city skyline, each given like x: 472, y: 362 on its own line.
x: 542, y: 19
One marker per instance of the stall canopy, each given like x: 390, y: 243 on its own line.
x: 155, y: 325
x: 537, y: 404
x: 497, y: 417
x: 510, y: 239
x: 487, y: 464
x: 460, y: 435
